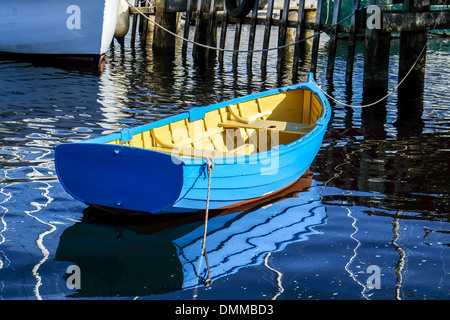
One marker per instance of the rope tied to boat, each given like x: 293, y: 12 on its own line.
x: 209, y: 168
x: 419, y: 56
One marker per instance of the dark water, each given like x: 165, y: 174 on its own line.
x: 370, y: 222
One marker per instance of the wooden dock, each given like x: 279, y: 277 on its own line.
x: 296, y: 21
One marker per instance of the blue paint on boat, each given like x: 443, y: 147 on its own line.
x: 135, y: 179
x: 118, y: 177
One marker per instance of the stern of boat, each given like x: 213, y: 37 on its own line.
x: 119, y: 177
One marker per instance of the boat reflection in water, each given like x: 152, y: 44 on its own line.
x: 141, y: 255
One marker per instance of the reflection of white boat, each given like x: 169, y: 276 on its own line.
x: 161, y: 255
x: 57, y: 27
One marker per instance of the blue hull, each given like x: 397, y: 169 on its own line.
x: 232, y: 184
x: 123, y: 178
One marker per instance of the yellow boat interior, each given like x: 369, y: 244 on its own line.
x: 239, y: 129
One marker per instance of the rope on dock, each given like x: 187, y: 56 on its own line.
x: 233, y: 50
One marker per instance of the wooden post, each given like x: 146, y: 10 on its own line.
x: 410, y: 93
x: 251, y: 40
x: 282, y: 33
x: 211, y: 34
x: 143, y: 24
x: 351, y: 44
x: 187, y: 24
x: 199, y: 36
x: 376, y: 60
x: 141, y: 18
x: 211, y: 38
x: 317, y: 29
x: 237, y: 41
x: 162, y: 39
x: 267, y: 28
x: 299, y: 35
x: 334, y: 39
x: 202, y: 34
x: 411, y: 45
x: 134, y: 27
x: 223, y: 33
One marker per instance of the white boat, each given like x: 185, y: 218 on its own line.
x: 82, y: 28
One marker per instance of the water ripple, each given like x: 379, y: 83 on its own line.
x: 40, y: 240
x: 377, y: 168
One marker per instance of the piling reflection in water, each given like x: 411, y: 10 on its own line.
x: 134, y: 256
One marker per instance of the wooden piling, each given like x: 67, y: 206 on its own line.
x: 411, y: 45
x: 299, y: 35
x: 142, y: 19
x: 413, y: 24
x: 187, y: 24
x: 167, y: 19
x: 211, y: 38
x: 317, y: 30
x: 143, y: 24
x: 237, y: 41
x: 351, y: 44
x: 334, y: 39
x: 282, y: 33
x: 412, y: 55
x: 202, y: 33
x: 376, y: 59
x: 251, y: 40
x: 199, y: 37
x: 267, y: 29
x: 134, y: 25
x: 223, y: 34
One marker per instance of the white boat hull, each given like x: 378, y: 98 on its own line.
x: 57, y: 27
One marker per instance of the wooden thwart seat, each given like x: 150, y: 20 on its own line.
x: 250, y: 118
x: 187, y: 141
x: 288, y: 127
x: 186, y: 147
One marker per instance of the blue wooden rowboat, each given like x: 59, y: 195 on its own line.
x: 259, y: 144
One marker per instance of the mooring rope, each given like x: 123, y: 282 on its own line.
x: 399, y: 83
x: 298, y: 42
x: 239, y: 51
x: 387, y: 95
x: 210, y: 167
